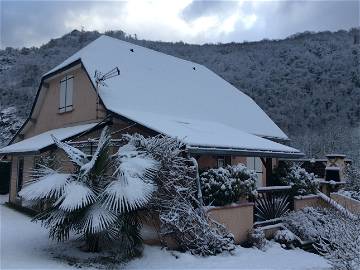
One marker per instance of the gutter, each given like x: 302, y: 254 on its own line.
x: 243, y: 152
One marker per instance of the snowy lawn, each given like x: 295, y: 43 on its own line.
x: 25, y: 245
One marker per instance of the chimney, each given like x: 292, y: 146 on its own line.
x: 335, y: 167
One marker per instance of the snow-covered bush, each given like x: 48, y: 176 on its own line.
x: 256, y: 238
x: 226, y: 185
x: 352, y: 183
x: 98, y: 200
x: 177, y: 201
x: 335, y: 236
x: 285, y: 238
x: 302, y: 182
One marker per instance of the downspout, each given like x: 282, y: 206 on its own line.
x: 198, y: 185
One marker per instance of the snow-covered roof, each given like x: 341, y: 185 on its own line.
x: 38, y: 142
x: 153, y: 82
x: 199, y: 133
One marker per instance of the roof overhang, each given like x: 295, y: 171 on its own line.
x: 43, y: 141
x: 222, y: 151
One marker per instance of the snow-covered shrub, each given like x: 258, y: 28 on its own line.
x: 302, y: 182
x: 226, y: 185
x: 177, y: 201
x: 352, y: 183
x: 335, y: 236
x: 285, y: 238
x: 98, y: 200
x: 256, y: 238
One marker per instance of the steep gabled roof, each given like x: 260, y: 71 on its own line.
x: 156, y: 83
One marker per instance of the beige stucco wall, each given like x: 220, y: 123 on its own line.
x: 238, y: 219
x: 84, y: 105
x: 349, y: 203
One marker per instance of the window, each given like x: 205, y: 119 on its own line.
x: 66, y: 94
x: 255, y: 164
x: 20, y: 171
x: 221, y: 162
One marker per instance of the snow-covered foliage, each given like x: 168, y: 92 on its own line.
x: 227, y: 185
x: 302, y: 182
x: 256, y: 238
x: 352, y: 185
x: 285, y: 238
x: 336, y: 236
x: 10, y: 122
x: 176, y: 201
x: 96, y: 198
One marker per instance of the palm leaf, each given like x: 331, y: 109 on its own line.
x: 51, y: 184
x: 127, y: 195
x: 76, y: 156
x: 101, y: 154
x: 77, y: 195
x: 98, y: 219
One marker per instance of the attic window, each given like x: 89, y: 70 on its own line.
x: 66, y: 94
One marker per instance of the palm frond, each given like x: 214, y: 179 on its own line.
x: 77, y: 195
x: 50, y: 184
x: 98, y: 219
x: 76, y: 156
x: 101, y: 154
x: 126, y: 195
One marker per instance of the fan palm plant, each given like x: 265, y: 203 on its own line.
x: 99, y: 198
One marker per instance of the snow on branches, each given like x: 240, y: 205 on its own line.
x: 335, y: 235
x: 182, y: 217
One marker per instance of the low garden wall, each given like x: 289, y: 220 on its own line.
x: 349, y: 203
x: 237, y: 218
x: 301, y: 202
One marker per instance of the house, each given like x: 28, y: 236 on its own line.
x: 154, y: 93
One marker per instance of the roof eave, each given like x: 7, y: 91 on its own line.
x: 243, y: 152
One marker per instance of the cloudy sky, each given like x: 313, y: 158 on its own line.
x: 32, y: 23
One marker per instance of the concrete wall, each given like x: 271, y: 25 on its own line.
x: 349, y: 203
x: 301, y: 202
x: 238, y: 219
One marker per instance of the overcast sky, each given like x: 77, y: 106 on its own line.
x: 32, y: 23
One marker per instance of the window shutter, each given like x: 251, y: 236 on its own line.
x: 62, y: 95
x: 69, y: 94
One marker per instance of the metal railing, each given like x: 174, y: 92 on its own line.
x: 272, y: 203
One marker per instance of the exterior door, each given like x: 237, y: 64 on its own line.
x: 20, y: 173
x: 255, y: 164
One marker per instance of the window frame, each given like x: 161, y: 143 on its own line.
x: 68, y: 102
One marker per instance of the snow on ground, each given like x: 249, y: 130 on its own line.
x: 25, y: 245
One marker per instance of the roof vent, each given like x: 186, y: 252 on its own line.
x: 194, y: 68
x: 131, y: 50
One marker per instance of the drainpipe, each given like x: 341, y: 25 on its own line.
x: 199, y: 194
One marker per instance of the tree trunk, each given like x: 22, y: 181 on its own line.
x: 92, y: 243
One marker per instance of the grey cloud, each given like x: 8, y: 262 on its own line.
x: 202, y: 8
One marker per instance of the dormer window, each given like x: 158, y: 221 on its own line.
x: 66, y: 94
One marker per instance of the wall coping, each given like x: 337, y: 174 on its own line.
x: 229, y: 206
x: 345, y: 197
x: 303, y: 197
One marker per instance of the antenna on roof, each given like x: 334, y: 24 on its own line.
x: 100, y: 79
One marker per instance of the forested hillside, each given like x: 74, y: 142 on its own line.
x: 309, y: 83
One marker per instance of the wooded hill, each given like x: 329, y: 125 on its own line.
x: 308, y: 83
